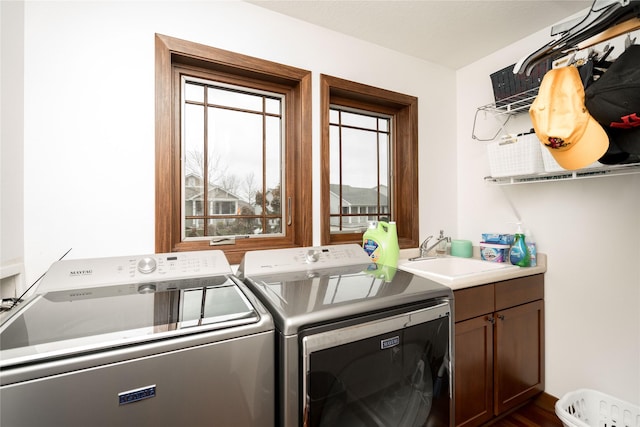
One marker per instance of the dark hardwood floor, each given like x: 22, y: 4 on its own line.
x: 540, y: 413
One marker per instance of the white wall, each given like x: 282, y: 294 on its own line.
x: 89, y: 113
x: 11, y: 154
x: 590, y: 231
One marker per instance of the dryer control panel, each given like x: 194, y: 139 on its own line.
x: 93, y: 272
x: 306, y: 259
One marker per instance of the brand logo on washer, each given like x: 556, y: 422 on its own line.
x: 73, y: 273
x: 136, y: 395
x: 389, y: 342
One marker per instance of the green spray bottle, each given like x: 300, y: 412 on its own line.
x: 380, y: 241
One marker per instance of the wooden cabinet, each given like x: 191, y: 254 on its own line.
x: 473, y: 371
x: 499, y: 347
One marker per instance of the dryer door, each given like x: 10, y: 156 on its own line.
x: 389, y: 372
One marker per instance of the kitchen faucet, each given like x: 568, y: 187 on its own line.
x: 425, y: 249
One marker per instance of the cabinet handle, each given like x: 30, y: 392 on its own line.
x: 501, y: 316
x: 491, y: 320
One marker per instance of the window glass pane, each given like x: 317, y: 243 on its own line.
x: 334, y: 159
x: 358, y: 120
x: 273, y: 166
x: 334, y: 116
x: 233, y: 227
x: 235, y: 143
x: 335, y: 204
x: 194, y: 228
x: 358, y: 223
x: 228, y: 98
x: 272, y: 106
x: 194, y: 92
x: 383, y: 125
x: 274, y: 225
x: 384, y: 171
x: 224, y: 207
x: 193, y: 131
x: 359, y: 158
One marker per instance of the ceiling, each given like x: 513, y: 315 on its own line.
x: 451, y: 33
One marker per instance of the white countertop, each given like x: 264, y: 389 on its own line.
x: 481, y: 278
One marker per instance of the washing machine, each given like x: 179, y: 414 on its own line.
x: 155, y: 340
x: 358, y: 344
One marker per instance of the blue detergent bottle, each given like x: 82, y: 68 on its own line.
x: 519, y: 254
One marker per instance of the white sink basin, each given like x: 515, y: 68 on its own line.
x: 453, y: 268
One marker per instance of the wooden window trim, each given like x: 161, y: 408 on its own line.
x: 404, y: 154
x: 298, y: 150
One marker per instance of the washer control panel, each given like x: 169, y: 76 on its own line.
x: 301, y: 259
x: 93, y: 272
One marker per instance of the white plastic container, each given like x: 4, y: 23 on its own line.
x: 550, y: 164
x: 522, y: 157
x: 590, y: 408
x: 494, y: 252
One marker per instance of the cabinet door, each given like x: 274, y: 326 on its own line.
x: 519, y: 355
x: 473, y: 371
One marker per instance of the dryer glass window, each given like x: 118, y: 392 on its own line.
x: 232, y: 144
x: 397, y: 378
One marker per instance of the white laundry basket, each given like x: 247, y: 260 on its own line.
x: 590, y: 408
x: 551, y: 165
x: 513, y: 157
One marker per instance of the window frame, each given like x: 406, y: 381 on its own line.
x: 294, y: 82
x: 404, y: 154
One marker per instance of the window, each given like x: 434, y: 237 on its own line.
x: 359, y: 171
x: 232, y: 143
x: 369, y: 154
x: 233, y: 151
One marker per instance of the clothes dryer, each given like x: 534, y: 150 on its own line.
x: 357, y: 344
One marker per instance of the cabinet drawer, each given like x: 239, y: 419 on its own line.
x: 510, y: 293
x: 473, y: 302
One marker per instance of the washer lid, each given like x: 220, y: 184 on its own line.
x: 62, y: 323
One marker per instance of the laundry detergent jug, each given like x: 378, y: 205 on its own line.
x: 380, y: 241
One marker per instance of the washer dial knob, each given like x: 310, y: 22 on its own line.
x: 147, y: 288
x: 312, y: 255
x: 147, y: 265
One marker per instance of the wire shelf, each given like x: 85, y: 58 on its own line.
x: 502, y: 110
x: 515, y: 104
x: 608, y: 170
